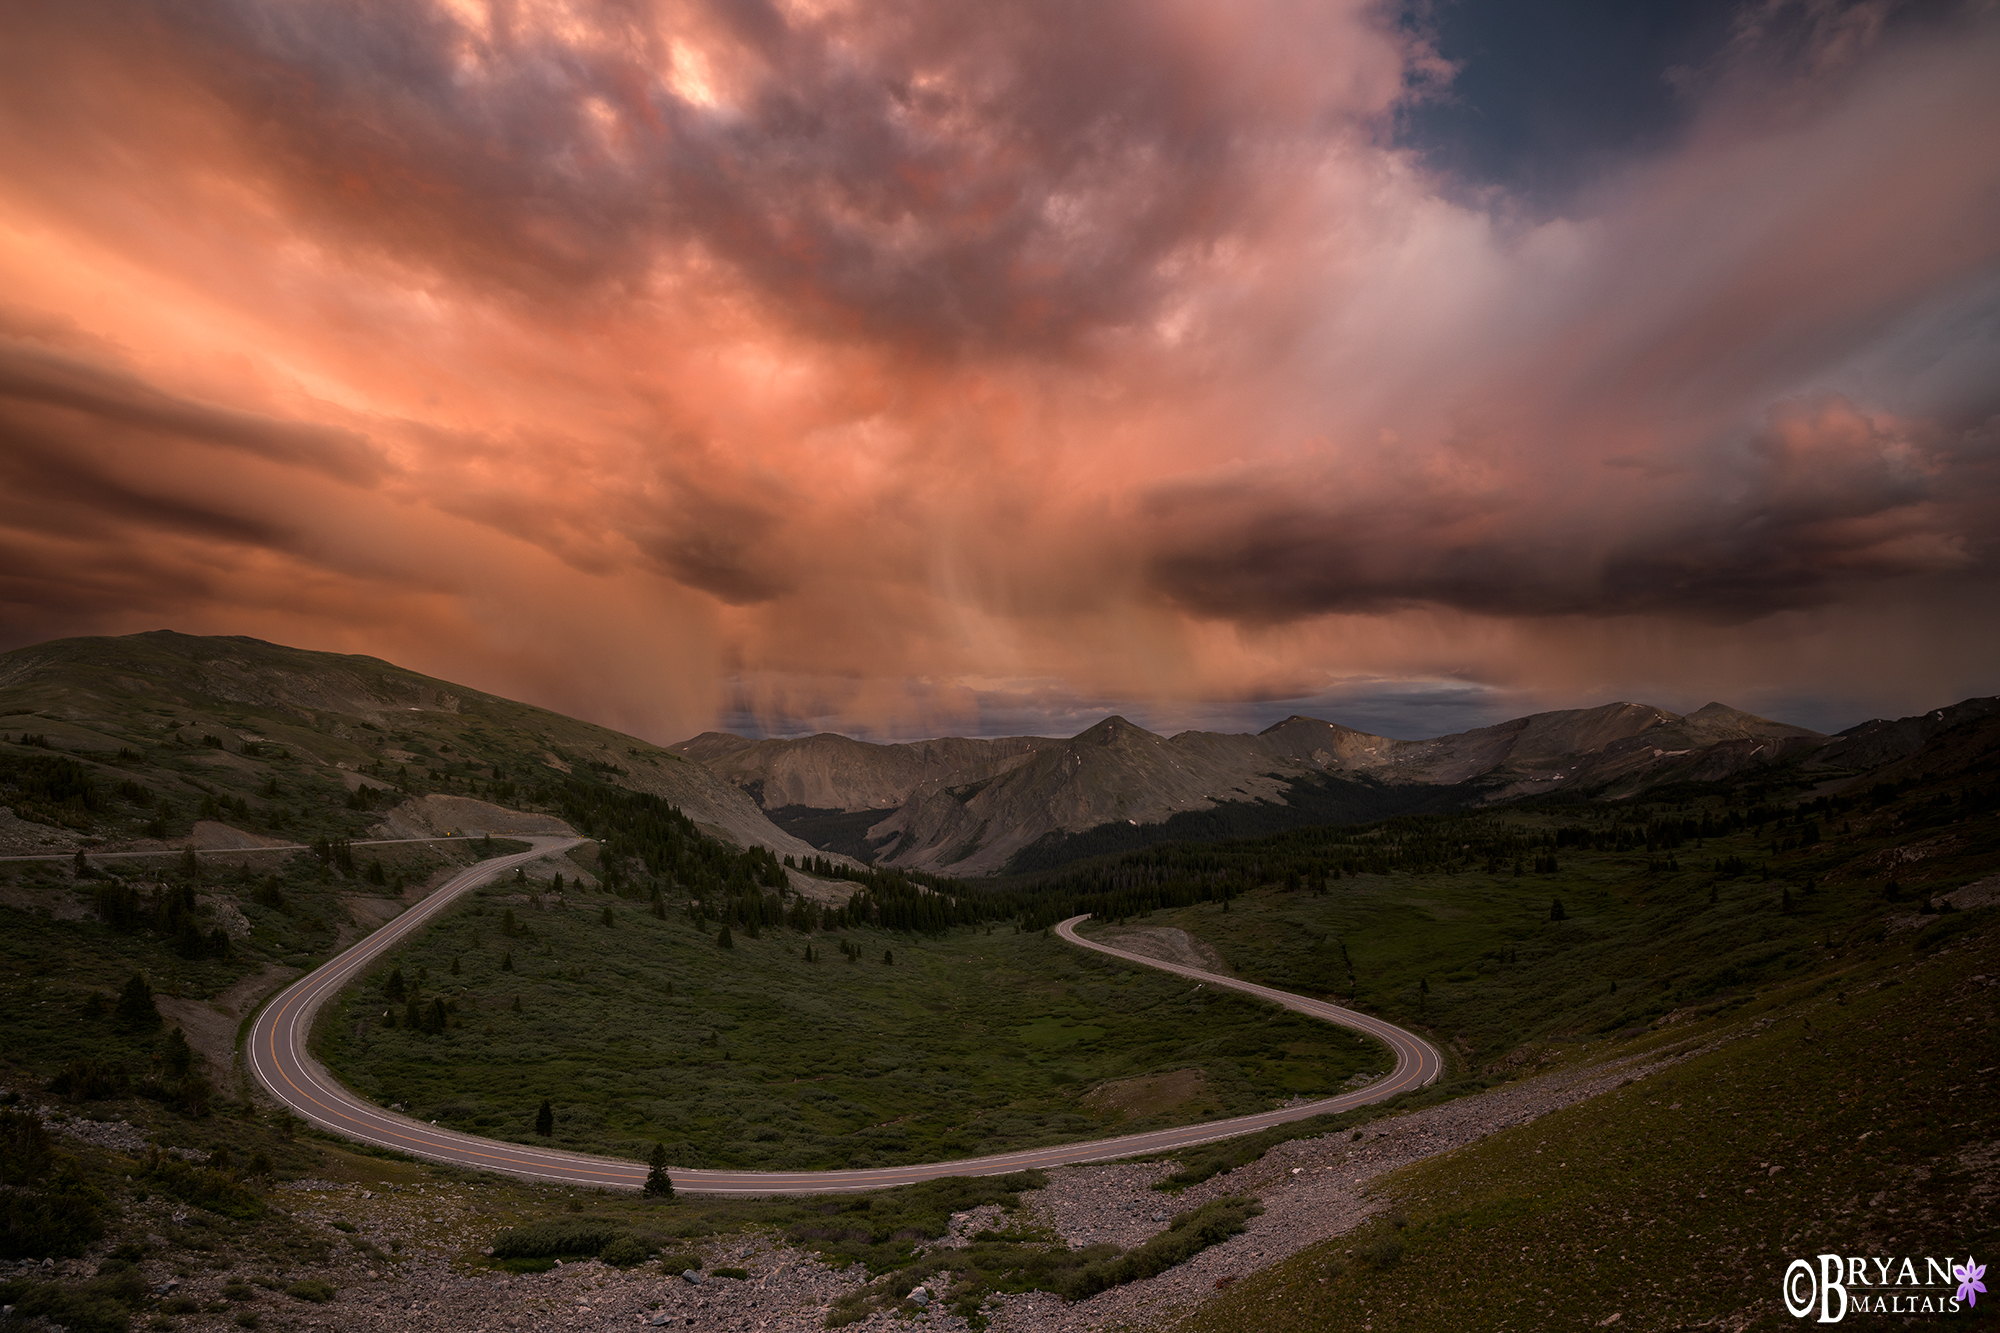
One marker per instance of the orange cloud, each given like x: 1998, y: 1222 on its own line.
x: 901, y: 367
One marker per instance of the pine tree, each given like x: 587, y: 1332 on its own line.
x: 395, y: 988
x: 1556, y: 912
x: 135, y: 1005
x: 725, y: 940
x: 607, y: 918
x: 659, y: 1185
x: 454, y: 964
x: 178, y: 1058
x: 888, y: 958
x: 545, y: 1119
x: 507, y: 961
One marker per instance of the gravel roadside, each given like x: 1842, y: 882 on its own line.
x: 1311, y: 1190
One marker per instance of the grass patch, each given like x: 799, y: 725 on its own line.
x: 975, y: 1042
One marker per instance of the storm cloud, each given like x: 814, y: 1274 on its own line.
x: 896, y: 366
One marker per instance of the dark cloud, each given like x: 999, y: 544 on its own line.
x: 106, y: 398
x: 724, y: 547
x: 1823, y: 499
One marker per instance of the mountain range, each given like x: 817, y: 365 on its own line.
x: 958, y: 806
x: 972, y: 807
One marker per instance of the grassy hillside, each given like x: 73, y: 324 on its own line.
x: 1848, y: 1112
x: 129, y: 741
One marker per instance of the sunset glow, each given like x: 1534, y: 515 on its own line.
x: 907, y: 369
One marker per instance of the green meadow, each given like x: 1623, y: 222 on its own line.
x: 645, y: 1030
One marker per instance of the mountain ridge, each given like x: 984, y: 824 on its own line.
x: 984, y: 806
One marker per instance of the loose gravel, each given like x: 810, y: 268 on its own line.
x: 1311, y: 1189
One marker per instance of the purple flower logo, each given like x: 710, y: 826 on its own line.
x: 1968, y: 1275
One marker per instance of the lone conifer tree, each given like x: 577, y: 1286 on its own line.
x: 395, y: 988
x: 725, y: 940
x: 1556, y: 912
x: 135, y: 1005
x: 177, y: 1056
x: 545, y: 1119
x: 609, y: 919
x: 659, y: 1185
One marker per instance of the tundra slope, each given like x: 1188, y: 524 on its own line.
x: 234, y: 713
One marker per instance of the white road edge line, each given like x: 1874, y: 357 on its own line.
x: 276, y: 1049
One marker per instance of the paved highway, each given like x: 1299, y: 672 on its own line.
x: 278, y: 1057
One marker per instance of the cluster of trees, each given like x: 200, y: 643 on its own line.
x: 430, y: 1016
x: 174, y: 1075
x: 639, y: 827
x: 51, y: 789
x: 650, y: 849
x: 167, y: 910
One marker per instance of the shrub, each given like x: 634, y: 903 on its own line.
x: 560, y: 1238
x: 203, y: 1187
x: 85, y: 1080
x: 624, y: 1252
x: 317, y: 1290
x: 1382, y: 1254
x: 1185, y: 1236
x: 49, y: 1209
x: 102, y: 1306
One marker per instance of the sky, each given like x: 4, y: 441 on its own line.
x: 904, y: 368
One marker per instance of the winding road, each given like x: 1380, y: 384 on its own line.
x: 276, y: 1050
